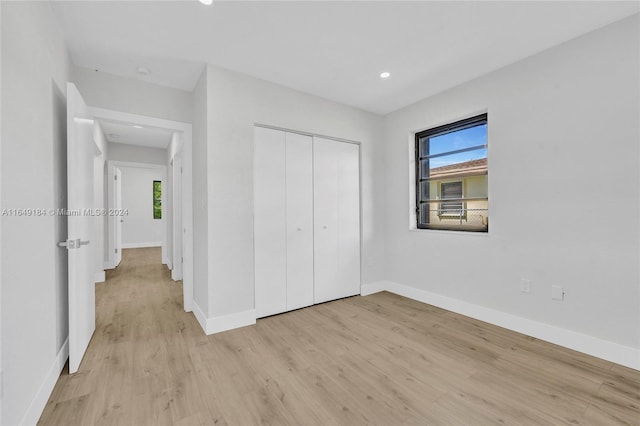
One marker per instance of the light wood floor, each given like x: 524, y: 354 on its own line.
x: 380, y: 359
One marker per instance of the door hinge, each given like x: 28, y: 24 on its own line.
x: 182, y: 259
x: 115, y: 177
x: 116, y: 251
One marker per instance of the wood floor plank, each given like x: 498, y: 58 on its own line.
x: 376, y: 360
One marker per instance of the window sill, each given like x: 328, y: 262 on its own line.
x: 448, y: 231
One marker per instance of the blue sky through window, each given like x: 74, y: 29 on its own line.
x: 453, y: 141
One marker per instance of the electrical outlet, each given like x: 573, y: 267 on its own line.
x: 557, y: 292
x: 525, y: 285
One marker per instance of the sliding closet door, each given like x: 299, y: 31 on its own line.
x: 299, y: 220
x: 270, y: 222
x: 336, y: 179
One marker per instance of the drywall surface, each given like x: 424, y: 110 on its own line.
x: 137, y: 154
x: 175, y: 204
x: 200, y: 197
x: 100, y: 197
x: 235, y: 103
x: 563, y: 185
x: 112, y: 92
x: 35, y: 69
x: 139, y: 228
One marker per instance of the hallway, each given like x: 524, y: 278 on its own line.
x: 136, y: 369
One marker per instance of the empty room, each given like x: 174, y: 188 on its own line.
x: 319, y: 212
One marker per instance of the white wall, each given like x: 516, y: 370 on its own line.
x: 139, y: 228
x: 563, y: 184
x: 235, y: 103
x: 200, y: 197
x: 175, y: 145
x: 99, y: 243
x: 35, y: 68
x: 137, y: 154
x: 174, y: 205
x: 0, y: 215
x: 133, y: 96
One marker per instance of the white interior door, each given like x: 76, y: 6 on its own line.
x: 270, y: 222
x: 118, y: 217
x: 80, y: 152
x: 336, y: 183
x: 299, y: 200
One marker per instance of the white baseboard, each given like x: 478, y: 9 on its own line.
x: 141, y: 245
x: 175, y: 274
x: 376, y: 287
x: 222, y: 323
x: 607, y: 350
x: 99, y: 277
x: 38, y: 403
x: 200, y: 317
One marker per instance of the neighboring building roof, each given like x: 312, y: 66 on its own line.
x: 473, y: 167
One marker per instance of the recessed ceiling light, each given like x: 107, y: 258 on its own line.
x: 385, y: 74
x: 135, y: 126
x: 207, y: 2
x: 143, y: 71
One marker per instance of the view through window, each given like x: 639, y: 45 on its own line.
x: 451, y: 176
x: 157, y: 199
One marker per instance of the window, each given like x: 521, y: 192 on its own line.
x: 451, y: 176
x: 157, y: 199
x: 451, y: 190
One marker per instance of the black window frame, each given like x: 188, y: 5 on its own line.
x: 474, y: 121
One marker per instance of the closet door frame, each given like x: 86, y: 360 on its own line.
x: 257, y: 281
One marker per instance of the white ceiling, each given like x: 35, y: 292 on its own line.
x: 332, y: 49
x: 150, y: 137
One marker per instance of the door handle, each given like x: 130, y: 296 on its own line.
x: 73, y: 244
x: 69, y: 244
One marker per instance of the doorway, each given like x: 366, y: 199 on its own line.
x: 90, y: 207
x: 139, y: 210
x: 176, y: 201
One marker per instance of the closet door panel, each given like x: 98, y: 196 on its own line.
x: 270, y: 222
x: 336, y: 220
x: 348, y: 219
x: 325, y: 186
x: 299, y: 175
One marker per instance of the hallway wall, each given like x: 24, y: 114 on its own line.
x: 100, y: 199
x: 35, y: 69
x: 137, y: 154
x: 139, y: 228
x: 133, y: 96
